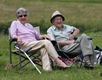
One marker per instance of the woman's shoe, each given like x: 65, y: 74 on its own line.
x: 61, y: 67
x: 61, y: 64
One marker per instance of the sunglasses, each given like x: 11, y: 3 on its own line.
x: 25, y: 15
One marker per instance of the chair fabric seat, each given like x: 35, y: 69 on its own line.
x: 64, y: 54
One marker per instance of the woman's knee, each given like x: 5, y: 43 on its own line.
x: 47, y: 42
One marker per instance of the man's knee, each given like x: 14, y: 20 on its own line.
x: 84, y: 36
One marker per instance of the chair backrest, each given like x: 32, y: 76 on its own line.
x: 37, y: 28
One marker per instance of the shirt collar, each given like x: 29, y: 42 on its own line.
x: 54, y: 27
x: 21, y: 23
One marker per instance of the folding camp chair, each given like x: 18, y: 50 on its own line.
x: 75, y: 59
x: 98, y: 52
x: 25, y: 56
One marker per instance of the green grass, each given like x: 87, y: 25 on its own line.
x: 71, y: 74
x: 30, y: 73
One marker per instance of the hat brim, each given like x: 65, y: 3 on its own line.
x: 56, y: 16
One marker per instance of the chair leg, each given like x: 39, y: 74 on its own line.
x: 31, y: 61
x: 10, y: 54
x: 20, y: 58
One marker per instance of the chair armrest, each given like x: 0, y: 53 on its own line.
x: 54, y: 42
x: 98, y: 48
x: 12, y: 40
x: 90, y: 38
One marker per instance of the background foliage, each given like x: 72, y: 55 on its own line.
x: 84, y: 14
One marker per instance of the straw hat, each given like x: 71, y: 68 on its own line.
x: 55, y: 14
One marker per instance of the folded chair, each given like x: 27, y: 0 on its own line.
x: 98, y: 52
x: 24, y: 56
x: 75, y: 59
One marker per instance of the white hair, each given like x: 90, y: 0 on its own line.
x: 21, y: 10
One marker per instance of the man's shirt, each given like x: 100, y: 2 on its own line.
x: 60, y: 35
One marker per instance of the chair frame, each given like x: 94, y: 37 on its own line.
x: 99, y: 57
x: 24, y: 55
x: 66, y: 55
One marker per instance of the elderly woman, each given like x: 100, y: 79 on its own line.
x: 27, y: 36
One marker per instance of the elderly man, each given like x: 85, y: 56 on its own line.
x: 27, y: 36
x: 65, y: 34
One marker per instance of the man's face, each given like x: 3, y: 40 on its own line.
x: 22, y: 17
x: 58, y: 21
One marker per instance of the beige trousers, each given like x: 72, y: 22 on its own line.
x: 46, y: 49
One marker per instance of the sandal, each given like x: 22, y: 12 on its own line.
x: 88, y: 65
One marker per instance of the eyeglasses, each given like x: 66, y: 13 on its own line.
x: 58, y: 19
x: 25, y: 15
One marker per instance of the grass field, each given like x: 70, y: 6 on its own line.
x: 84, y: 14
x: 30, y: 73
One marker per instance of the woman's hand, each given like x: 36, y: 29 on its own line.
x: 45, y: 36
x: 19, y: 41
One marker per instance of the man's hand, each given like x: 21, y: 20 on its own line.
x: 71, y: 36
x: 71, y: 41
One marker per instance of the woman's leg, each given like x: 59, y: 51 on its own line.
x: 46, y: 64
x: 53, y: 54
x: 47, y: 47
x: 37, y: 45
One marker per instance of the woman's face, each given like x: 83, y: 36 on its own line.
x: 22, y: 17
x: 58, y: 22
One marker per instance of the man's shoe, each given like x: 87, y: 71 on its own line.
x: 88, y: 65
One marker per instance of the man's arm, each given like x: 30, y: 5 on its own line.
x: 76, y: 31
x: 73, y: 35
x: 63, y: 43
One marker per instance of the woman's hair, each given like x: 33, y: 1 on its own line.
x: 21, y: 10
